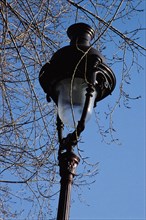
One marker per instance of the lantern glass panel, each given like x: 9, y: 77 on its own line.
x: 71, y: 100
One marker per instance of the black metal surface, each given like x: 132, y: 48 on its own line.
x: 68, y: 162
x: 80, y: 33
x: 78, y: 60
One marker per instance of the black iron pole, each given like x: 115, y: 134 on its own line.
x: 68, y: 162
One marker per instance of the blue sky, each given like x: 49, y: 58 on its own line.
x: 118, y: 191
x: 119, y: 188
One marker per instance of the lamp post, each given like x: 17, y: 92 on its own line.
x: 76, y: 78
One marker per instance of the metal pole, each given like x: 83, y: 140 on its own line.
x: 68, y: 162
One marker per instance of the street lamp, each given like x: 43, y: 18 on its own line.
x: 76, y: 78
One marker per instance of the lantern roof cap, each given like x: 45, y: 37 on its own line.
x: 80, y: 31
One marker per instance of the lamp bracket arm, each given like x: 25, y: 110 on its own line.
x: 67, y: 143
x: 60, y: 126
